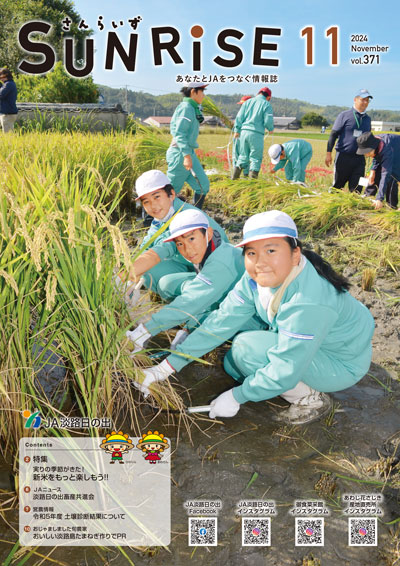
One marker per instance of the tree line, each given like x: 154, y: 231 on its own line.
x: 143, y: 105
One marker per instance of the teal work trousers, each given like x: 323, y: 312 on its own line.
x: 303, y: 164
x: 178, y: 175
x: 166, y: 268
x: 249, y: 353
x: 251, y: 150
x: 236, y: 155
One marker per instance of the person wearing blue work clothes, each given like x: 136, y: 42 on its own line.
x: 294, y: 156
x: 183, y: 164
x: 8, y: 99
x: 161, y: 257
x: 316, y: 337
x: 385, y: 170
x: 236, y: 146
x: 349, y: 125
x: 254, y: 117
x: 218, y: 267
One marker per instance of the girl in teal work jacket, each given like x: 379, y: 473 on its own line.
x: 183, y: 164
x: 314, y: 337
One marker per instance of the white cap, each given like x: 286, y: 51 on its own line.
x: 271, y: 224
x: 186, y: 221
x: 363, y: 93
x: 195, y: 84
x: 274, y: 152
x: 150, y: 181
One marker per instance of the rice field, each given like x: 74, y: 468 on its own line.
x: 59, y: 247
x: 60, y: 201
x: 63, y: 200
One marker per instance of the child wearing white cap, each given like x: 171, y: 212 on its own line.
x: 161, y: 258
x: 294, y: 156
x: 316, y: 336
x: 183, y: 163
x: 218, y: 265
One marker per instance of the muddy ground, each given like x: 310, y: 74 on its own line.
x: 252, y: 457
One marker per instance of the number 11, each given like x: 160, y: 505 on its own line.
x: 332, y: 33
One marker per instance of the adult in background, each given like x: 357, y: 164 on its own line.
x: 236, y: 145
x: 385, y: 170
x: 254, y: 117
x: 8, y: 99
x: 294, y: 156
x: 183, y: 163
x: 349, y: 125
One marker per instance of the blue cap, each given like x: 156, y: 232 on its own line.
x: 363, y: 93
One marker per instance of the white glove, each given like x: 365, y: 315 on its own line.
x: 180, y: 337
x: 159, y: 372
x: 129, y: 289
x: 225, y: 405
x: 138, y: 336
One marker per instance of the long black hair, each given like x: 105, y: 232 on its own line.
x: 323, y: 268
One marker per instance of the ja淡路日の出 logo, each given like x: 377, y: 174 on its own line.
x: 33, y: 420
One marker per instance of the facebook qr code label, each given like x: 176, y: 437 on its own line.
x: 256, y: 532
x: 363, y: 532
x: 309, y: 532
x: 203, y: 532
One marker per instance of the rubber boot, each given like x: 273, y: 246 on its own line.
x: 236, y: 173
x: 253, y: 174
x: 198, y: 200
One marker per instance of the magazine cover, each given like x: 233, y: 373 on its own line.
x: 199, y: 293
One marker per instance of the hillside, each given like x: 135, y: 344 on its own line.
x: 143, y: 104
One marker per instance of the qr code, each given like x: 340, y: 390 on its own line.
x: 203, y: 532
x: 309, y: 532
x: 256, y: 532
x: 363, y: 532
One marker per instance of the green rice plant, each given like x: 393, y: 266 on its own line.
x: 57, y: 255
x: 38, y: 123
x: 58, y: 252
x: 49, y: 121
x: 211, y: 109
x: 109, y: 155
x: 150, y: 148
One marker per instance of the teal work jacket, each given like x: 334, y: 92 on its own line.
x: 167, y: 250
x: 255, y: 115
x: 312, y: 316
x: 184, y: 128
x: 295, y: 151
x: 221, y: 271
